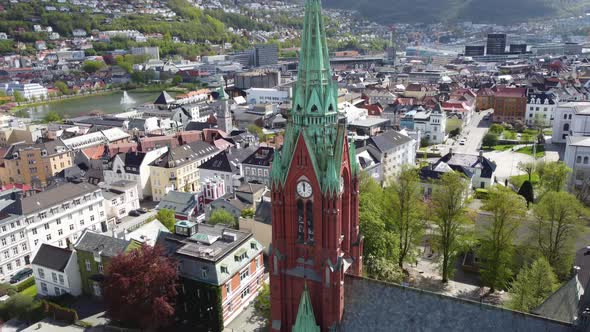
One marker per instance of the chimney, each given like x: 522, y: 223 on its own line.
x: 480, y: 154
x: 451, y: 151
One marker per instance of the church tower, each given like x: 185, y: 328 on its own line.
x: 315, y: 181
x: 224, y: 119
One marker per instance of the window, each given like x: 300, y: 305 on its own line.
x: 54, y: 276
x: 23, y: 246
x: 58, y: 221
x: 57, y: 292
x: 60, y: 232
x: 81, y: 222
x: 4, y: 241
x: 90, y: 208
x: 36, y: 242
x: 204, y: 272
x: 48, y: 237
x: 12, y: 238
x: 91, y: 218
x: 17, y: 261
x: 309, y: 215
x: 15, y: 250
x: 60, y: 243
x: 96, y: 288
x: 6, y: 254
x: 71, y: 227
x: 87, y: 263
x: 44, y: 287
x: 585, y: 160
x: 244, y: 274
x: 566, y: 127
x: 4, y: 228
x: 579, y: 160
x: 9, y: 266
x: 41, y: 273
x: 46, y: 226
x: 300, y: 222
x: 245, y: 292
x: 22, y: 234
x: 61, y: 279
x: 228, y: 288
x: 100, y: 268
x: 224, y: 269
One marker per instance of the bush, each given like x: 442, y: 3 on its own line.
x: 7, y: 289
x: 57, y: 312
x: 22, y: 307
x: 482, y: 193
x: 496, y: 129
x: 25, y: 284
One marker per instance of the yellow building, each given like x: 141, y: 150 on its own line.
x: 178, y: 170
x: 34, y: 164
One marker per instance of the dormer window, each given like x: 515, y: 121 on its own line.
x: 204, y: 272
x: 96, y: 255
x: 331, y: 108
x: 299, y: 108
x: 314, y: 108
x: 253, y: 245
x: 224, y: 269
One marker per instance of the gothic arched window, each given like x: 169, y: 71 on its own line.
x: 300, y: 222
x: 331, y: 108
x: 309, y: 216
x: 314, y: 108
x: 299, y: 108
x: 566, y: 127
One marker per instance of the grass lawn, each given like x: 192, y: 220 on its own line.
x: 499, y: 147
x: 528, y: 150
x: 31, y: 291
x: 518, y: 180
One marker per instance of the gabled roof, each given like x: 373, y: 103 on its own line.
x: 179, y: 202
x: 563, y: 304
x: 455, y: 160
x: 52, y: 197
x: 164, y: 99
x: 389, y: 140
x: 176, y: 157
x: 261, y: 157
x: 51, y: 257
x: 108, y: 246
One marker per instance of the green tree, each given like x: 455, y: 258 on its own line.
x: 52, y: 116
x: 527, y: 167
x: 496, y: 129
x: 256, y: 130
x: 449, y: 209
x: 490, y: 140
x: 553, y: 176
x: 18, y: 97
x: 247, y: 213
x: 558, y: 221
x: 167, y: 217
x: 262, y: 303
x: 91, y: 66
x: 384, y: 269
x: 532, y: 286
x: 220, y: 216
x: 527, y: 191
x: 406, y: 213
x: 177, y: 79
x: 507, y: 209
x: 62, y: 87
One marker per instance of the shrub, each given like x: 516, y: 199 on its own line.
x: 482, y: 193
x: 7, y: 289
x: 25, y: 284
x: 22, y: 307
x: 57, y: 312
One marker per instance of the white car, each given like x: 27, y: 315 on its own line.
x: 462, y: 142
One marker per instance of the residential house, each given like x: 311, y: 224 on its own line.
x: 540, y: 109
x: 419, y: 91
x: 186, y: 206
x: 133, y: 166
x: 577, y: 157
x: 35, y: 164
x: 120, y: 198
x: 394, y: 151
x: 256, y: 167
x: 56, y: 271
x: 178, y: 169
x: 247, y: 196
x: 220, y: 166
x: 58, y: 216
x: 432, y: 124
x: 95, y: 252
x: 219, y: 268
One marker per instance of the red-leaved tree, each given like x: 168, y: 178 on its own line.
x: 140, y: 287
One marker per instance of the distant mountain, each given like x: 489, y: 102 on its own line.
x: 477, y: 11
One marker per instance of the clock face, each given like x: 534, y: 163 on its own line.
x: 304, y: 189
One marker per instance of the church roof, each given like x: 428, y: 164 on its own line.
x: 305, y: 321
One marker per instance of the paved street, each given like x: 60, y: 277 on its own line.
x: 247, y: 321
x: 473, y: 134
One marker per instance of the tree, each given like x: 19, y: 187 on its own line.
x: 490, y: 140
x: 247, y: 213
x: 558, y: 220
x: 91, y: 66
x: 532, y: 286
x: 384, y: 269
x: 527, y: 167
x: 220, y: 216
x: 52, y: 116
x: 167, y: 217
x: 526, y: 190
x: 507, y: 209
x: 62, y: 87
x: 496, y: 129
x: 449, y: 211
x: 140, y: 287
x: 262, y: 303
x: 254, y: 129
x: 553, y: 176
x: 177, y: 79
x: 18, y: 97
x: 406, y: 213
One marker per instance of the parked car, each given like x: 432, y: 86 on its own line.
x: 21, y: 275
x: 462, y: 142
x: 134, y: 213
x: 142, y: 210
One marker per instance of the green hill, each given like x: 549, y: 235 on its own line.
x: 477, y: 11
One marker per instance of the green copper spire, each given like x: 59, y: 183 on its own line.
x: 305, y: 321
x: 222, y: 94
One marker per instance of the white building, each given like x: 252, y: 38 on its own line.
x: 393, y: 151
x: 571, y: 119
x: 266, y: 96
x: 540, y: 109
x: 577, y: 157
x: 432, y: 125
x: 133, y: 166
x: 59, y: 216
x: 121, y: 197
x: 15, y: 252
x: 112, y: 135
x: 29, y: 91
x: 56, y: 271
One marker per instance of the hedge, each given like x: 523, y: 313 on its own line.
x: 482, y: 193
x: 25, y: 284
x: 57, y: 312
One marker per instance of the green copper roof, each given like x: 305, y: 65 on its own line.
x: 305, y: 321
x: 315, y: 107
x: 222, y: 94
